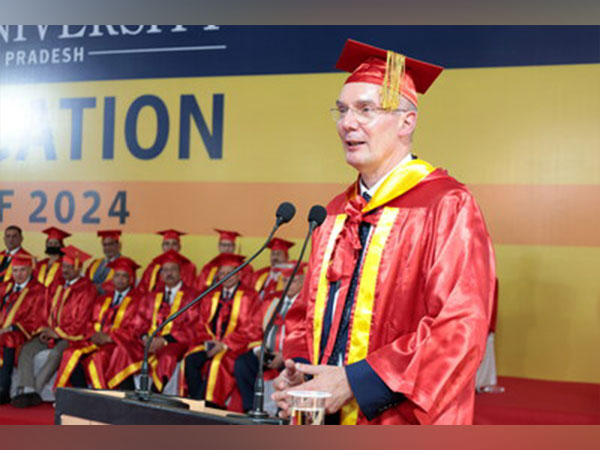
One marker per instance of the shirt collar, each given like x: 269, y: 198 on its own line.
x: 371, y: 191
x: 73, y: 281
x: 22, y: 285
x: 13, y: 252
x: 122, y: 294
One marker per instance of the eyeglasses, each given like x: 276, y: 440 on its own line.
x: 363, y: 114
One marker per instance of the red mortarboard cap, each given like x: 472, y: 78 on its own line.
x: 225, y: 235
x: 56, y: 233
x: 289, y: 268
x: 74, y: 256
x: 374, y: 65
x: 229, y: 259
x: 115, y: 234
x: 280, y: 244
x: 22, y: 260
x: 171, y: 256
x: 171, y: 234
x: 126, y: 264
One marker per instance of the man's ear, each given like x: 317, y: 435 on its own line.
x: 407, y: 123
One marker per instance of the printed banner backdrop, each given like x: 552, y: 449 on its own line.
x: 144, y: 128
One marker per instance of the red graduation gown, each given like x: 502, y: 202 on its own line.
x: 236, y: 312
x: 264, y: 285
x: 151, y: 282
x: 424, y: 298
x: 118, y: 322
x: 21, y: 311
x: 126, y: 359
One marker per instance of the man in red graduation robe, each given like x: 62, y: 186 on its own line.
x: 115, y: 312
x: 169, y: 346
x: 219, y: 337
x: 68, y: 319
x: 207, y: 276
x: 268, y: 280
x: 401, y: 276
x: 151, y: 280
x: 99, y: 271
x: 21, y: 299
x: 13, y: 240
x: 48, y: 270
x: 292, y: 310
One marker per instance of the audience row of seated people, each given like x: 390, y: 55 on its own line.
x: 95, y: 322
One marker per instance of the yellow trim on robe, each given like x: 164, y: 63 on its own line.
x: 42, y: 274
x: 323, y: 287
x: 213, y: 308
x: 94, y: 377
x: 261, y: 281
x: 73, y: 360
x: 94, y: 267
x: 105, y: 306
x: 211, y: 275
x: 365, y: 299
x: 123, y: 374
x: 120, y: 313
x: 174, y: 308
x: 15, y: 308
x: 51, y: 274
x: 153, y: 277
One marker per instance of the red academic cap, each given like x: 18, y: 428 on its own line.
x: 126, y: 264
x: 225, y: 235
x: 229, y: 259
x: 115, y: 234
x: 374, y: 65
x: 22, y: 260
x: 56, y: 233
x: 280, y: 244
x: 171, y: 256
x: 171, y: 234
x: 289, y: 268
x: 74, y: 256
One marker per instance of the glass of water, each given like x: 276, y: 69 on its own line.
x: 308, y: 407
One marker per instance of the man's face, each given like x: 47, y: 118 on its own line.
x: 171, y: 244
x: 296, y: 285
x: 278, y: 257
x: 226, y: 246
x: 68, y: 271
x: 53, y: 244
x: 169, y: 273
x: 20, y: 274
x: 12, y: 239
x: 226, y: 270
x: 121, y: 280
x: 111, y: 247
x: 371, y: 144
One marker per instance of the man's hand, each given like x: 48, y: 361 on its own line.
x: 330, y: 379
x: 47, y: 334
x: 277, y: 362
x: 157, y: 343
x: 99, y: 338
x: 217, y: 347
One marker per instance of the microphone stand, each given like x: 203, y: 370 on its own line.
x: 143, y: 394
x: 258, y: 413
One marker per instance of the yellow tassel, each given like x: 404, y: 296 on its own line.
x: 392, y: 81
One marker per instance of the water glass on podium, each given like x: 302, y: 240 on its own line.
x: 308, y: 407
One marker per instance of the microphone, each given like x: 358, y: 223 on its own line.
x: 285, y: 212
x: 316, y: 217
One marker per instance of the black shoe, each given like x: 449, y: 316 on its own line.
x: 4, y: 397
x: 26, y: 400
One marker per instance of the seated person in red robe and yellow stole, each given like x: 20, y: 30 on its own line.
x: 115, y: 312
x: 227, y: 244
x: 151, y: 281
x: 48, y: 270
x: 21, y: 299
x: 268, y: 280
x: 207, y: 371
x: 169, y: 346
x: 68, y: 319
x: 292, y: 310
x: 99, y: 271
x: 400, y: 281
x: 13, y: 240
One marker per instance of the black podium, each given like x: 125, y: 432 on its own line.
x: 92, y: 407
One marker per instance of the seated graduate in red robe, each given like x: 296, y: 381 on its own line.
x: 292, y: 310
x: 151, y: 280
x: 21, y: 300
x: 207, y: 371
x: 169, y: 346
x: 268, y: 280
x: 86, y: 362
